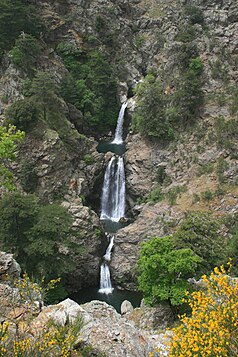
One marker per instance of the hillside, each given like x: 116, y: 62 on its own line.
x: 66, y: 69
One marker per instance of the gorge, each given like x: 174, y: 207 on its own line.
x: 129, y: 113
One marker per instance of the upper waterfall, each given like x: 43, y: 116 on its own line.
x: 119, y: 129
x: 114, y: 190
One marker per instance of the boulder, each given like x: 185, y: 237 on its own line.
x: 9, y: 266
x: 126, y: 307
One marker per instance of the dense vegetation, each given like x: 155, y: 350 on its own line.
x: 9, y: 137
x: 40, y: 236
x: 166, y: 263
x: 164, y: 270
x: 90, y: 87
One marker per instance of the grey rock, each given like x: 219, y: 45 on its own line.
x: 126, y: 307
x: 9, y: 266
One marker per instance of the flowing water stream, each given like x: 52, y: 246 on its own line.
x: 113, y: 200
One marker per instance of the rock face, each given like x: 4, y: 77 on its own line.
x: 104, y: 329
x: 9, y: 266
x: 91, y: 242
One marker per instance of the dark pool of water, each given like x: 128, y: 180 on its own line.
x: 114, y: 299
x: 112, y: 226
x: 118, y: 149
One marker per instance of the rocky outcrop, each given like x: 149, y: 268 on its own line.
x: 91, y: 243
x: 8, y: 266
x: 104, y: 329
x: 154, y: 220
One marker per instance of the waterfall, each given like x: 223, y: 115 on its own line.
x: 114, y: 190
x: 119, y: 129
x: 107, y: 255
x: 113, y: 200
x: 105, y: 280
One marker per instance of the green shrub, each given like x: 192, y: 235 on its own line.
x: 25, y: 53
x: 226, y: 132
x: 28, y: 176
x: 155, y: 196
x: 222, y: 166
x: 91, y: 87
x: 174, y: 192
x: 23, y: 114
x: 207, y: 195
x: 36, y: 235
x: 187, y: 34
x: 195, y: 15
x: 199, y: 232
x: 163, y: 271
x: 205, y: 169
x: 150, y: 118
x: 88, y: 159
x: 17, y: 16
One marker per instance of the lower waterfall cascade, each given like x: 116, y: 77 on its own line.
x: 113, y: 200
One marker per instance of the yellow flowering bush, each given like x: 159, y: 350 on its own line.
x: 16, y: 339
x: 212, y: 328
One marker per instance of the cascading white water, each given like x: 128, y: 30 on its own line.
x: 107, y: 255
x: 114, y: 191
x: 105, y: 280
x: 119, y: 129
x: 113, y: 200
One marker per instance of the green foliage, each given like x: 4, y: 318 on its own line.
x: 91, y: 87
x: 139, y: 41
x: 187, y: 34
x: 88, y: 159
x: 43, y: 92
x: 17, y: 16
x: 28, y: 176
x: 189, y: 96
x: 39, y: 236
x: 199, y: 232
x: 174, y: 192
x: 226, y: 131
x: 25, y: 53
x: 155, y: 196
x: 205, y: 169
x: 196, y: 66
x: 150, y: 118
x: 222, y: 166
x: 207, y: 195
x: 23, y: 114
x: 9, y: 138
x: 161, y: 175
x: 163, y: 271
x: 232, y: 224
x: 219, y: 71
x: 195, y: 15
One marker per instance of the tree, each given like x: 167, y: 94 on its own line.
x: 49, y: 242
x: 17, y: 215
x: 9, y: 138
x: 150, y: 117
x: 15, y: 17
x: 39, y: 236
x: 199, y: 232
x: 23, y: 114
x: 25, y: 53
x: 43, y: 91
x: 163, y: 271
